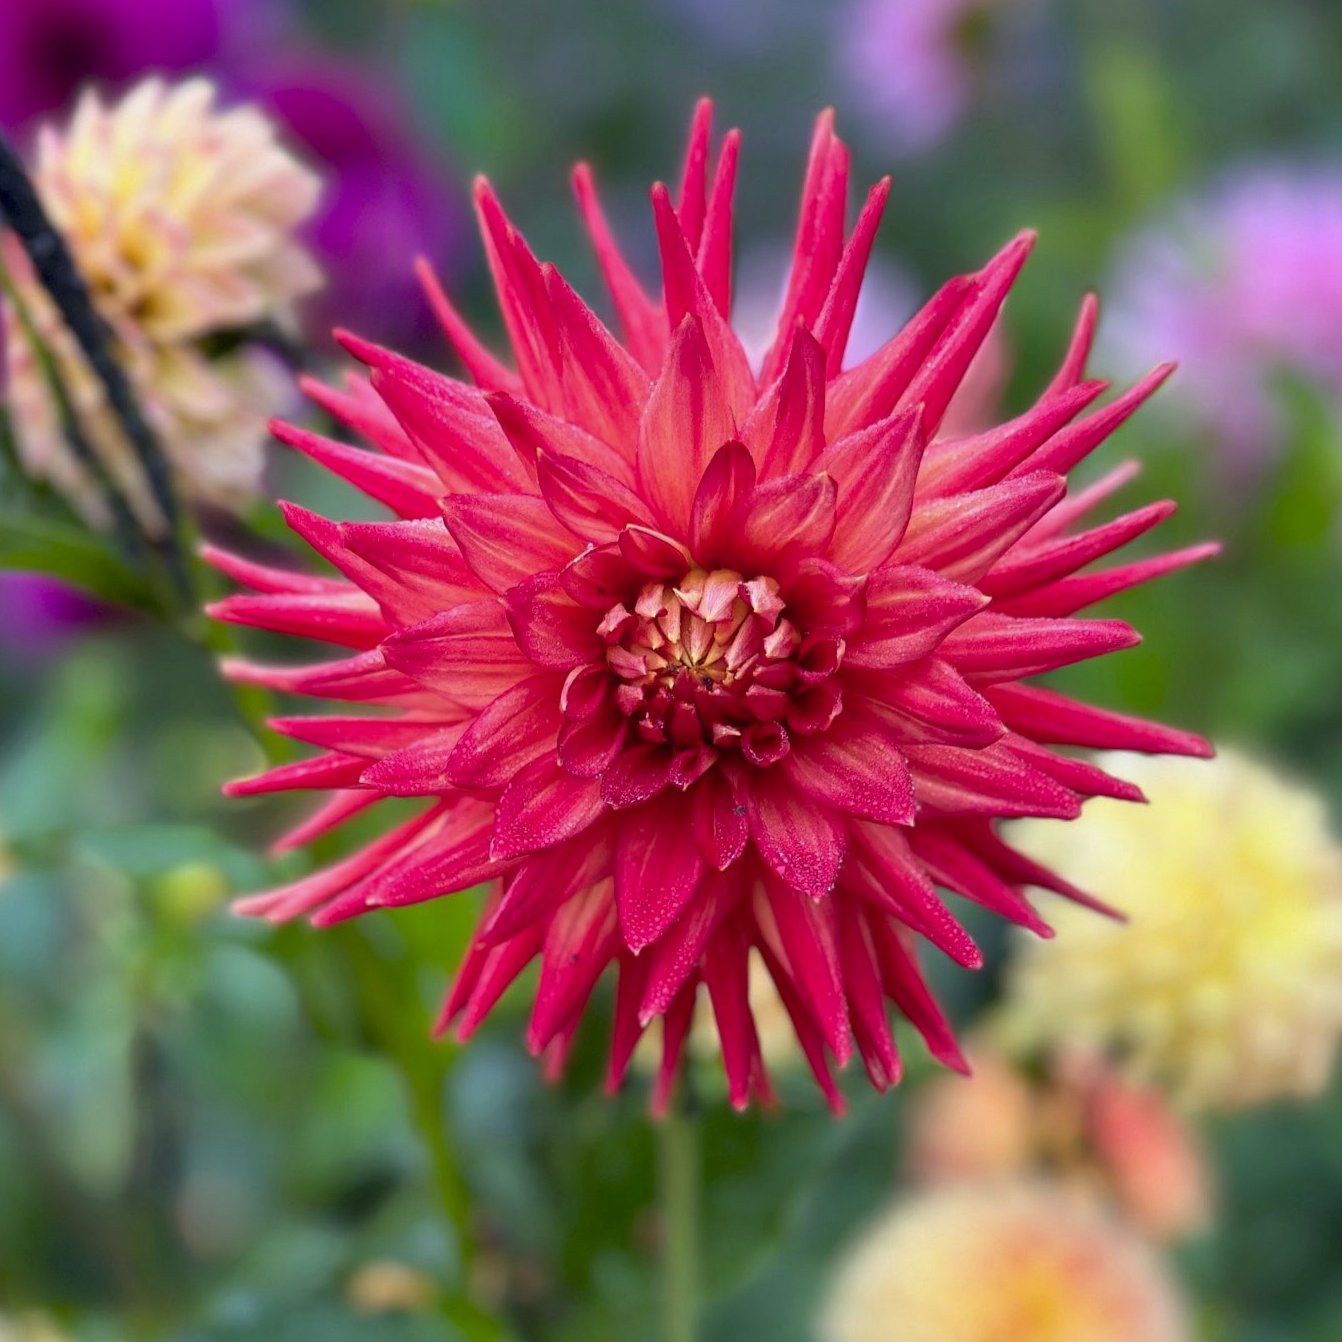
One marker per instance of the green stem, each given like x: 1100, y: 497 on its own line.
x: 678, y: 1159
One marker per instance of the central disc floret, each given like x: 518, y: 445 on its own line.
x: 714, y: 661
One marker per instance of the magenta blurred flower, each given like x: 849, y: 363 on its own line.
x: 692, y: 662
x: 386, y: 199
x: 50, y: 48
x: 911, y: 65
x: 1242, y: 285
x: 39, y: 615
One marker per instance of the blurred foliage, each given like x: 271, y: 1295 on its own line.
x: 207, y: 1127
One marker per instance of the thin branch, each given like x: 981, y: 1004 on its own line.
x: 56, y: 268
x: 128, y: 530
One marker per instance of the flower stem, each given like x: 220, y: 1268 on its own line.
x: 678, y: 1160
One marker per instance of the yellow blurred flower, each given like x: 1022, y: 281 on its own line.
x: 387, y: 1287
x: 181, y: 216
x: 1225, y: 985
x: 29, y: 1327
x: 1002, y: 1263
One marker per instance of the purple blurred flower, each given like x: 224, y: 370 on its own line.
x: 41, y: 615
x: 911, y: 64
x: 386, y: 199
x: 49, y: 48
x: 1241, y: 285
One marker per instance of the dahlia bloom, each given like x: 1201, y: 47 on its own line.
x: 1243, y: 283
x: 180, y: 216
x: 1225, y: 987
x: 687, y: 661
x: 1001, y: 1263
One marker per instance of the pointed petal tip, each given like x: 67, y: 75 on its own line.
x: 365, y: 351
x: 581, y: 171
x: 1010, y: 259
x: 951, y: 1056
x: 703, y: 108
x: 427, y: 276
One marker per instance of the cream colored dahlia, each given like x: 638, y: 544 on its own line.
x: 1225, y: 984
x: 1002, y: 1264
x: 29, y: 1327
x: 181, y: 216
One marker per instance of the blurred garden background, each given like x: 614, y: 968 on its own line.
x: 216, y: 1131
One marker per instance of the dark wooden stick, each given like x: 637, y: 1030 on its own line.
x: 57, y: 270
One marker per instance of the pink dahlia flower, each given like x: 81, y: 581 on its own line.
x: 687, y: 661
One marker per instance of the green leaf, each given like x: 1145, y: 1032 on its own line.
x: 85, y: 558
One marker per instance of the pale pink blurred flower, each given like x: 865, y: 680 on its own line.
x: 1026, y: 1262
x: 911, y: 64
x: 1156, y: 1166
x: 1242, y: 284
x: 181, y: 218
x: 1077, y: 1122
x: 975, y: 1128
